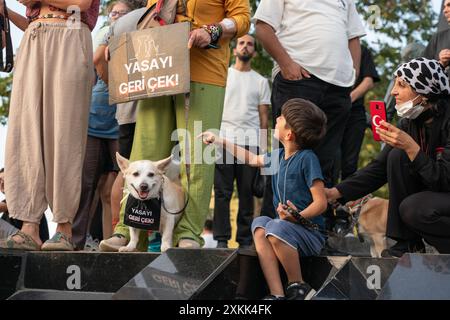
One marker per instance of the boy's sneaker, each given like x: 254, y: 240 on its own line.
x: 272, y: 297
x: 113, y: 244
x: 402, y: 247
x: 299, y: 291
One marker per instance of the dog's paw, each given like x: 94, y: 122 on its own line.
x: 127, y: 249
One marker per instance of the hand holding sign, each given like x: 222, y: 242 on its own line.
x: 199, y: 38
x: 149, y: 63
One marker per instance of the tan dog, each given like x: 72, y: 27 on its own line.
x: 372, y: 223
x: 146, y: 180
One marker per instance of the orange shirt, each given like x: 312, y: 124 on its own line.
x: 211, y: 65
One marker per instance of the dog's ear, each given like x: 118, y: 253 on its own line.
x: 122, y: 162
x: 163, y: 165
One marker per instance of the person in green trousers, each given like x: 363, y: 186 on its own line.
x: 214, y: 24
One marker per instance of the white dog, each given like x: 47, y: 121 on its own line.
x: 146, y: 180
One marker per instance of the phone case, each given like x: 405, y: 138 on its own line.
x: 377, y: 114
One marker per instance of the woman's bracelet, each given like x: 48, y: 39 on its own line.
x: 215, y: 31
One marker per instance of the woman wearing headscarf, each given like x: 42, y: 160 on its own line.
x: 415, y: 162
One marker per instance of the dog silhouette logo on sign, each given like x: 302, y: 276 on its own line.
x: 146, y: 47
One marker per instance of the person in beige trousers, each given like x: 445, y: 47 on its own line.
x: 47, y: 127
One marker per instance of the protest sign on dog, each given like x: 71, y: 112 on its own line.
x: 149, y: 63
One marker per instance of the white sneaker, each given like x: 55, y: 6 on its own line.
x: 114, y: 243
x: 91, y: 244
x: 188, y: 244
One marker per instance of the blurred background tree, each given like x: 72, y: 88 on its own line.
x: 5, y: 93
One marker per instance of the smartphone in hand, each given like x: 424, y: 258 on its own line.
x: 377, y: 114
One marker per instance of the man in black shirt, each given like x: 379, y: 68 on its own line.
x: 347, y: 162
x: 357, y: 122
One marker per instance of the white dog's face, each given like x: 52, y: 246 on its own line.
x: 143, y: 178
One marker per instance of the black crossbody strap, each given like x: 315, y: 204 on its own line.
x: 8, y: 66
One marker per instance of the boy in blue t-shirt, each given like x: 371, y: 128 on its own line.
x: 299, y: 197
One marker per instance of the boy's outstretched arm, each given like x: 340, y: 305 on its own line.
x: 240, y: 153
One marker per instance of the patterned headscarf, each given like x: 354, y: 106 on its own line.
x: 425, y: 76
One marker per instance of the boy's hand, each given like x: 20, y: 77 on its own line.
x: 284, y: 214
x: 208, y: 137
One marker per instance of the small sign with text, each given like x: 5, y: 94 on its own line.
x: 149, y: 63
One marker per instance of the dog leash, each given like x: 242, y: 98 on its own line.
x: 187, y: 151
x: 7, y: 65
x: 187, y: 156
x: 357, y: 204
x: 354, y: 209
x: 164, y: 206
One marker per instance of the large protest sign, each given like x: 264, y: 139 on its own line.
x: 149, y: 63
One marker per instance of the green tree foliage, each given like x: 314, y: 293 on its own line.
x: 5, y: 93
x: 392, y: 25
x: 400, y: 22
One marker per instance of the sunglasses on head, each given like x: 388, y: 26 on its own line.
x: 113, y: 14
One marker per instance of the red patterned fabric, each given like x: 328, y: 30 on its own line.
x: 89, y: 17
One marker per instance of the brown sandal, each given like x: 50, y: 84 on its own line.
x: 59, y: 242
x: 28, y: 243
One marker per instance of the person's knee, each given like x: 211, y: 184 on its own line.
x: 274, y: 227
x: 258, y: 227
x: 260, y: 221
x: 259, y: 234
x: 413, y: 210
x: 274, y: 241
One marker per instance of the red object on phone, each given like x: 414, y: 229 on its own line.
x: 377, y: 114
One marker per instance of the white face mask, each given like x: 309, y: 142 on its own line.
x: 408, y: 110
